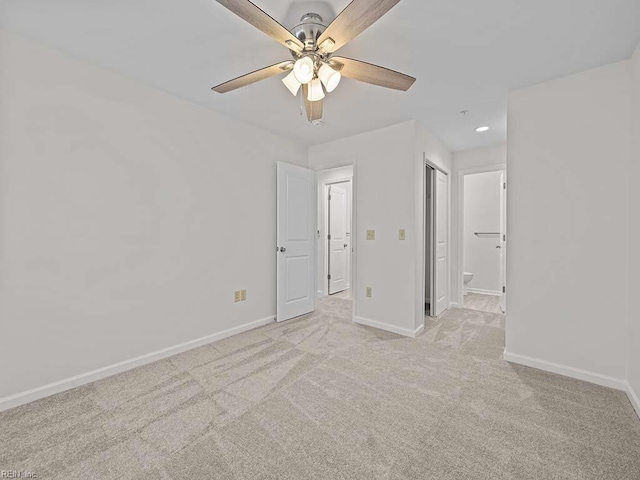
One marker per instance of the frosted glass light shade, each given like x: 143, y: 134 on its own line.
x: 303, y: 70
x: 292, y: 83
x: 315, y: 91
x: 329, y: 77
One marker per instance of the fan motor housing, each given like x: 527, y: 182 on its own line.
x: 309, y: 30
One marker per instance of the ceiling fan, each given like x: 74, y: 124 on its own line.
x: 312, y: 45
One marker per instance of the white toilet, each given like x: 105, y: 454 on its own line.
x: 468, y: 276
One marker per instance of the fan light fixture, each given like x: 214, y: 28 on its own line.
x: 292, y: 83
x: 315, y: 91
x: 312, y: 46
x: 330, y: 78
x: 303, y: 70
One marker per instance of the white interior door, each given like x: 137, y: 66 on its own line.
x: 338, y: 240
x: 296, y: 241
x: 441, y: 240
x: 503, y: 241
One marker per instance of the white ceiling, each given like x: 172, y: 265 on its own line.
x: 466, y: 55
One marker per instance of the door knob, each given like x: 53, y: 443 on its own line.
x: 282, y: 249
x: 345, y: 245
x: 498, y: 246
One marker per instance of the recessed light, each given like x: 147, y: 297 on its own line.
x: 482, y: 129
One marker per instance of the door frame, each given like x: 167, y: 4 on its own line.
x: 429, y: 164
x: 460, y: 227
x: 322, y: 183
x: 429, y: 240
x: 327, y: 225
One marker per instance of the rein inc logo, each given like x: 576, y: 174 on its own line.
x: 17, y: 474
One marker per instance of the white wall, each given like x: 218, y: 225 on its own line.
x: 634, y: 237
x: 569, y: 148
x: 467, y: 162
x: 429, y: 146
x: 482, y: 192
x: 129, y: 217
x: 386, y: 197
x: 480, y: 158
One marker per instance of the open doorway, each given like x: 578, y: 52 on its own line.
x: 436, y: 243
x: 483, y: 239
x: 335, y: 226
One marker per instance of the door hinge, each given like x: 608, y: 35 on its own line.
x: 504, y: 185
x: 504, y: 238
x: 504, y: 289
x: 329, y: 277
x: 329, y: 237
x: 329, y: 197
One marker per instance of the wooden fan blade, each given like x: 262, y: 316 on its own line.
x: 253, y: 77
x: 353, y: 20
x: 314, y: 109
x: 369, y: 73
x: 263, y: 22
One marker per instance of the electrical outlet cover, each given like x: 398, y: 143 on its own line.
x: 243, y: 295
x: 403, y: 235
x: 371, y: 234
x: 369, y: 292
x: 236, y: 296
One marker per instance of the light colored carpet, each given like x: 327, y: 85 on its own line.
x: 482, y: 303
x: 323, y: 398
x: 345, y: 294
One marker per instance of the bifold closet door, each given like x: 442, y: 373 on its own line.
x: 441, y: 224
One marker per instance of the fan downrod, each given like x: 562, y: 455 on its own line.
x: 308, y: 31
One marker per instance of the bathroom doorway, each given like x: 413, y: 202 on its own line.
x: 483, y: 239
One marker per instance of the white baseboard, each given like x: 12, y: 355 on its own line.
x: 587, y: 376
x: 389, y: 328
x: 88, y: 377
x: 481, y: 291
x: 634, y: 398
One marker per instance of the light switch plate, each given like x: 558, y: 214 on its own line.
x: 236, y: 296
x: 371, y: 234
x: 402, y: 235
x: 243, y: 295
x: 369, y: 292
